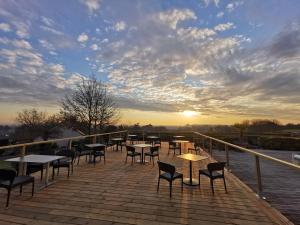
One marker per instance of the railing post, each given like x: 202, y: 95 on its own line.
x: 227, y: 157
x: 70, y: 144
x: 258, y: 176
x: 203, y: 144
x: 22, y: 165
x: 210, y: 147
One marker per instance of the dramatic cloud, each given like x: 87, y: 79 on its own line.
x: 172, y: 17
x: 120, y: 26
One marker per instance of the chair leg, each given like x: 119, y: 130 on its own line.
x: 181, y: 184
x: 72, y: 170
x: 212, y: 186
x: 57, y: 170
x: 170, y: 189
x: 199, y: 180
x: 126, y: 159
x: 8, y: 197
x: 32, y: 189
x: 225, y: 184
x: 21, y: 189
x: 157, y: 185
x: 132, y: 160
x: 78, y: 159
x: 152, y: 160
x: 69, y: 171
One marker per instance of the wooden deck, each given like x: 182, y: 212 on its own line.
x: 118, y: 193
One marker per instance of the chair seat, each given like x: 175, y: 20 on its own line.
x: 152, y: 154
x: 85, y: 152
x: 62, y: 163
x: 214, y: 173
x: 18, y: 181
x: 133, y: 153
x: 167, y: 176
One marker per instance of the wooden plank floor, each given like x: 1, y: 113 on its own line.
x: 118, y: 193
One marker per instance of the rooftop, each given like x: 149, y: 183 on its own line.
x: 119, y: 193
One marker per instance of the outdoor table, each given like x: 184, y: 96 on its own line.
x: 142, y: 146
x: 191, y: 157
x: 43, y: 159
x: 118, y: 141
x: 180, y: 142
x: 152, y: 138
x: 94, y: 148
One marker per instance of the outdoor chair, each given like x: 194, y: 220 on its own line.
x: 196, y: 148
x: 10, y: 180
x: 169, y: 174
x: 99, y: 152
x: 157, y: 142
x: 82, y: 150
x: 173, y: 146
x: 67, y: 162
x: 132, y: 153
x: 214, y: 171
x: 154, y: 152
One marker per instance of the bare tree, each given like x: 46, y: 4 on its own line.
x: 34, y: 123
x: 90, y: 105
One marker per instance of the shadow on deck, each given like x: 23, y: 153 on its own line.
x: 118, y: 193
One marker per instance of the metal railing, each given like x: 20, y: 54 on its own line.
x: 256, y: 155
x: 23, y: 146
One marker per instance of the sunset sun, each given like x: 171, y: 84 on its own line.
x: 188, y: 113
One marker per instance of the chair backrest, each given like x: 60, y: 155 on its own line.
x: 171, y: 143
x: 7, y: 175
x: 216, y: 166
x: 197, y: 145
x: 130, y: 148
x: 154, y: 149
x: 165, y: 167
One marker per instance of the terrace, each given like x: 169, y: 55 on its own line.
x: 119, y: 193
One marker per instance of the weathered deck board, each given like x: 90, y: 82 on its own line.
x: 118, y: 193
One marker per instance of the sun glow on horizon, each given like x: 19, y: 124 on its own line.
x: 188, y: 113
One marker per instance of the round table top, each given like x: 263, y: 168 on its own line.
x: 131, y: 135
x: 152, y: 137
x: 180, y: 141
x: 117, y: 139
x: 142, y: 145
x: 192, y: 157
x: 178, y: 136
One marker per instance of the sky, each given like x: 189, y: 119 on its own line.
x: 164, y: 62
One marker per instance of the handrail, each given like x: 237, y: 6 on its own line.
x: 251, y: 151
x: 256, y: 155
x: 59, y: 139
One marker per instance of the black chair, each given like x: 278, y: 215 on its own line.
x: 99, y: 152
x: 169, y: 174
x: 157, y: 142
x: 197, y: 148
x: 214, y: 171
x: 67, y: 162
x: 154, y: 152
x: 132, y: 153
x: 173, y: 146
x: 10, y: 180
x: 82, y: 150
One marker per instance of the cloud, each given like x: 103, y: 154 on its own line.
x: 94, y: 47
x: 224, y: 26
x: 233, y: 5
x: 83, y: 38
x: 174, y: 16
x: 92, y: 5
x: 5, y: 27
x: 220, y: 14
x: 120, y: 26
x: 215, y: 2
x: 22, y: 44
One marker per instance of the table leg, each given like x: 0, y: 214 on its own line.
x: 180, y: 148
x: 47, y: 174
x: 190, y: 181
